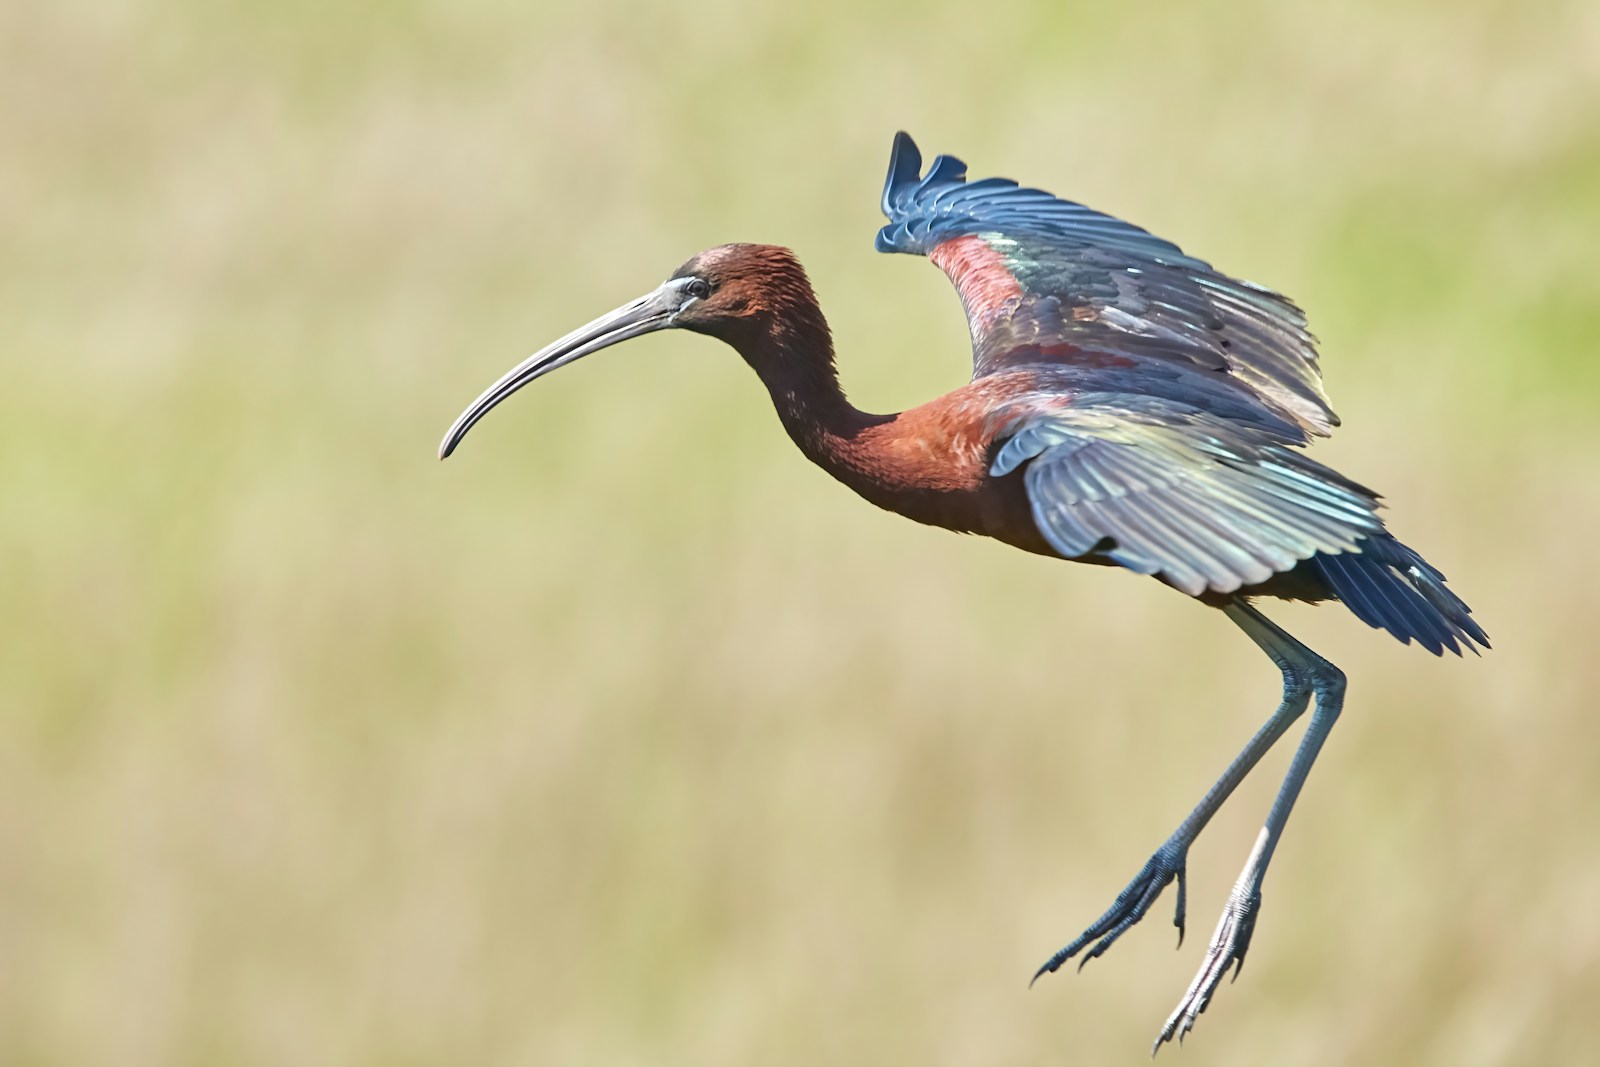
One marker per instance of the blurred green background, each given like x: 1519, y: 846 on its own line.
x: 626, y: 737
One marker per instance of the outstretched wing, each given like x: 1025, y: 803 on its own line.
x: 1176, y: 491
x: 1049, y: 282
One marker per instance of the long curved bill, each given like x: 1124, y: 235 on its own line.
x: 653, y: 311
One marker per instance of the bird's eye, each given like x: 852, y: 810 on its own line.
x: 698, y: 288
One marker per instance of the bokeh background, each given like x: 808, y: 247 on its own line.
x: 626, y: 737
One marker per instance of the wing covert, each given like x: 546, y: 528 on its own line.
x: 1048, y: 281
x: 1162, y: 489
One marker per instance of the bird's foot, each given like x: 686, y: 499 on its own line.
x: 1129, y: 907
x: 1227, y: 949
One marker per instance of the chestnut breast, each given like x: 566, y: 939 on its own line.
x: 931, y: 464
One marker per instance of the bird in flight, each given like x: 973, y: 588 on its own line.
x: 1130, y: 406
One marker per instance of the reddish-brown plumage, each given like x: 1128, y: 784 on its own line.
x: 981, y: 275
x: 930, y: 463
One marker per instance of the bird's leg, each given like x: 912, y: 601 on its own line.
x: 1168, y: 861
x: 1232, y: 937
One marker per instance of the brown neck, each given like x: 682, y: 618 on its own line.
x: 764, y: 306
x: 793, y: 356
x: 908, y: 463
x: 919, y: 463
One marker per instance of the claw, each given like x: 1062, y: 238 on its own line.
x: 1226, y: 952
x: 1043, y: 970
x: 1131, y: 904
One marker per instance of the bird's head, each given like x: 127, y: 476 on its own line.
x: 740, y: 293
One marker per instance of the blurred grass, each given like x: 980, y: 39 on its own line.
x: 626, y: 737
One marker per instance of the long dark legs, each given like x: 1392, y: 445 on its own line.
x: 1232, y: 937
x: 1304, y: 674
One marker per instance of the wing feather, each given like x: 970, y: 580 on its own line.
x: 1163, y: 489
x: 1049, y: 281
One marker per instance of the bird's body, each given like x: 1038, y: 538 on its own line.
x: 1130, y: 406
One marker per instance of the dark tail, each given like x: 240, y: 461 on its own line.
x: 1390, y: 587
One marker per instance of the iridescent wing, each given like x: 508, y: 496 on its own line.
x: 1048, y: 281
x: 1160, y: 398
x: 1173, y: 490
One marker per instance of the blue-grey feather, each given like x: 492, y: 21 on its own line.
x: 1390, y: 587
x: 1210, y: 505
